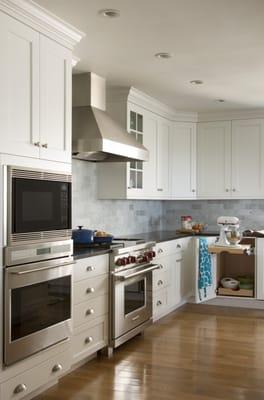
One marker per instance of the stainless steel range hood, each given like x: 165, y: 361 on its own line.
x: 96, y: 137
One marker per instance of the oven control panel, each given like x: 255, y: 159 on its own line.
x: 129, y: 257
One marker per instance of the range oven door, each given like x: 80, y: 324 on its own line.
x: 37, y: 307
x: 38, y: 205
x: 132, y: 300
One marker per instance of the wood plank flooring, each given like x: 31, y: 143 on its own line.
x: 196, y: 353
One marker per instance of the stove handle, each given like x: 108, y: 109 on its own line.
x: 29, y: 271
x: 143, y: 271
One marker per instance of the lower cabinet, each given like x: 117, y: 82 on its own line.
x: 90, y: 306
x: 32, y: 379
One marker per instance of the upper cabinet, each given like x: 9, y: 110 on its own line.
x: 230, y: 159
x: 162, y: 151
x: 182, y: 158
x: 214, y: 159
x: 35, y: 80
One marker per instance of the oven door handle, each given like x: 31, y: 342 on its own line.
x: 30, y: 271
x: 141, y: 272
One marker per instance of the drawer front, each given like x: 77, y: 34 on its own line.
x: 160, y: 302
x: 89, y: 288
x: 32, y: 379
x: 160, y: 279
x: 91, y: 266
x: 167, y: 248
x: 86, y: 312
x: 90, y: 339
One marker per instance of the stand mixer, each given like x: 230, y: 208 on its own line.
x: 229, y: 233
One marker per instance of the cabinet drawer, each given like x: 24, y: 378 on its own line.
x: 90, y: 338
x: 160, y: 302
x: 90, y: 267
x: 89, y: 310
x: 167, y: 248
x: 159, y: 279
x: 89, y: 288
x: 32, y: 379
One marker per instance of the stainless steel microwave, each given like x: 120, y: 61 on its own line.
x: 38, y: 206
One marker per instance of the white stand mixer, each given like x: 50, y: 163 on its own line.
x: 226, y: 224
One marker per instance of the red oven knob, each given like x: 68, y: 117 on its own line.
x: 118, y: 262
x: 125, y: 260
x: 140, y: 259
x: 153, y: 254
x: 131, y: 259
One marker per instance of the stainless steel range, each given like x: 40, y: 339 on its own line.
x: 131, y: 291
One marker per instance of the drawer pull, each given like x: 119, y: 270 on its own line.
x: 179, y: 260
x: 160, y: 251
x: 90, y: 290
x: 20, y: 388
x: 90, y: 311
x: 160, y: 282
x: 88, y: 340
x: 37, y: 144
x: 90, y: 269
x: 159, y: 303
x: 135, y: 318
x: 44, y: 145
x: 178, y: 246
x: 57, y: 368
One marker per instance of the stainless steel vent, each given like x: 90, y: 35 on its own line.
x: 40, y: 175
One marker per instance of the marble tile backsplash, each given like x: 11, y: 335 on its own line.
x: 134, y: 216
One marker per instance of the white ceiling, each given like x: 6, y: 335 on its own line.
x: 218, y: 41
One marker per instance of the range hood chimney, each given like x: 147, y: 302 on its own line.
x: 96, y: 137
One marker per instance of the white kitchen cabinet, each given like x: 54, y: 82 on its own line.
x: 19, y: 82
x: 214, y: 160
x: 248, y: 158
x: 162, y: 166
x: 55, y: 101
x: 35, y: 97
x: 260, y: 269
x: 182, y: 160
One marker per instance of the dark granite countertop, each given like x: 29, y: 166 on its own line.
x: 163, y: 236
x: 89, y: 252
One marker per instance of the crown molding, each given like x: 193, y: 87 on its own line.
x: 147, y: 102
x: 42, y: 20
x: 230, y: 115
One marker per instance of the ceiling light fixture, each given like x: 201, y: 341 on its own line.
x: 163, y: 55
x: 220, y: 100
x: 196, y: 82
x: 109, y: 13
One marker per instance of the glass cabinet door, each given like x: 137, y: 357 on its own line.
x: 136, y: 167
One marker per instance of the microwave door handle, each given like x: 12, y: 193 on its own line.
x: 29, y: 271
x: 141, y: 272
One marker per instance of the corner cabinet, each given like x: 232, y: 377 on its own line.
x: 35, y: 98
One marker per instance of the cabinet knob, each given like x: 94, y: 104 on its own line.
x: 90, y: 269
x: 90, y: 311
x: 57, y: 368
x: 45, y: 145
x: 193, y: 190
x: 234, y: 189
x: 159, y: 303
x: 88, y: 340
x: 20, y: 388
x: 90, y: 290
x: 160, y: 251
x: 178, y: 246
x: 160, y: 190
x: 160, y: 282
x: 37, y: 144
x: 227, y: 190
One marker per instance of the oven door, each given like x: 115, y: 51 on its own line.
x: 37, y: 307
x: 39, y: 205
x: 132, y: 303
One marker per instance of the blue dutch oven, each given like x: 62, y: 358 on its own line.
x: 82, y: 236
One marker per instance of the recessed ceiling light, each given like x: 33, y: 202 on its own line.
x: 109, y: 13
x: 196, y: 82
x: 163, y: 55
x: 220, y: 100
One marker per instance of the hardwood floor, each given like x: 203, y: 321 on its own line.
x: 196, y: 353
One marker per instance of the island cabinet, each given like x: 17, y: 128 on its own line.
x: 230, y: 159
x: 35, y: 96
x: 90, y: 306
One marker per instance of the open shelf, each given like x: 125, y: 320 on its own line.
x: 244, y: 248
x: 236, y: 293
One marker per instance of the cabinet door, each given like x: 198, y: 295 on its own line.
x: 55, y: 101
x: 164, y: 127
x: 149, y: 167
x: 19, y: 94
x: 214, y: 159
x: 248, y: 158
x: 260, y: 269
x: 176, y: 280
x: 200, y: 296
x: 183, y: 160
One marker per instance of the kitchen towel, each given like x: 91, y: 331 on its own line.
x: 205, y: 268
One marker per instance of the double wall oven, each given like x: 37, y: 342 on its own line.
x: 38, y: 261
